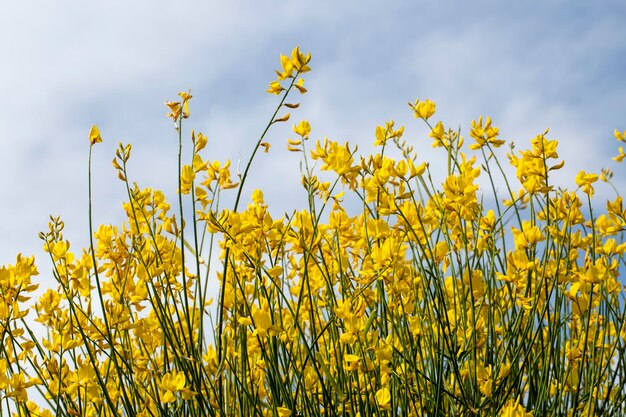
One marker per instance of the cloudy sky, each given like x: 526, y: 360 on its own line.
x: 67, y: 65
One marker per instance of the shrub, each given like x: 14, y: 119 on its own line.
x: 418, y: 300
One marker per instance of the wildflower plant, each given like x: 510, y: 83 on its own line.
x: 391, y: 293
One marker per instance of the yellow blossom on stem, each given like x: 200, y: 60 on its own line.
x: 423, y: 109
x: 606, y: 174
x: 186, y: 179
x: 175, y: 109
x: 486, y: 134
x: 300, y: 60
x: 351, y: 362
x: 383, y: 134
x: 94, y: 135
x: 283, y: 412
x: 383, y: 397
x: 199, y: 142
x: 303, y: 129
x: 584, y: 179
x: 300, y: 86
x: 186, y: 96
x: 439, y: 136
x: 513, y: 408
x: 174, y: 383
x: 275, y: 88
x: 528, y: 236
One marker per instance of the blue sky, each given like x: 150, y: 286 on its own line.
x: 68, y: 65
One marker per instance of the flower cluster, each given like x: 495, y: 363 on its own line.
x: 409, y: 295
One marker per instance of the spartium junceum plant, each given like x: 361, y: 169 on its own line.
x: 391, y: 293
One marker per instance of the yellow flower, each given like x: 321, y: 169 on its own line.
x: 94, y: 135
x: 423, y: 109
x: 585, y: 180
x: 199, y: 142
x: 484, y: 375
x: 531, y: 165
x: 244, y: 321
x: 303, y: 129
x: 383, y: 134
x: 615, y: 207
x: 262, y: 320
x: 186, y: 96
x: 606, y: 174
x: 297, y: 62
x: 174, y: 383
x: 528, y: 236
x: 300, y: 60
x: 283, y: 412
x: 275, y: 271
x: 383, y: 397
x: 275, y: 88
x: 621, y: 155
x: 300, y: 86
x: 486, y: 134
x: 18, y: 387
x: 175, y: 109
x: 336, y: 158
x: 351, y: 362
x: 620, y: 136
x: 347, y: 338
x: 438, y: 134
x: 441, y: 251
x: 287, y: 67
x: 514, y: 409
x: 186, y: 179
